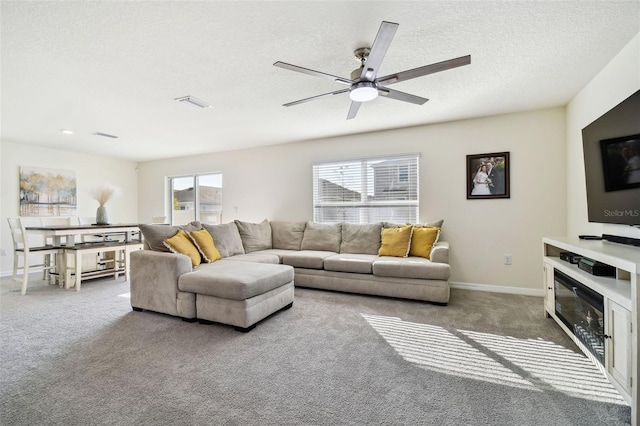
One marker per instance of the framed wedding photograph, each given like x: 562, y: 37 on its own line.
x: 488, y: 176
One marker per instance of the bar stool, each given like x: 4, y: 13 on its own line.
x: 22, y: 247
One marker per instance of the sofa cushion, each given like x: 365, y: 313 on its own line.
x: 360, y: 238
x: 203, y: 241
x: 422, y: 240
x: 396, y: 241
x: 287, y: 235
x: 254, y: 236
x: 154, y: 235
x: 226, y: 238
x: 410, y: 267
x: 181, y: 243
x: 256, y: 256
x: 235, y: 280
x: 276, y: 252
x: 350, y: 262
x: 311, y: 259
x: 322, y: 237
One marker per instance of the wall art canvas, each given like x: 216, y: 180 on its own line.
x: 488, y: 176
x: 47, y: 192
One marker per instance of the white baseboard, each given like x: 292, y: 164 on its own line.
x: 497, y: 289
x: 453, y: 284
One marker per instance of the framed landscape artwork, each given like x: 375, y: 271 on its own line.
x: 47, y: 192
x: 488, y: 175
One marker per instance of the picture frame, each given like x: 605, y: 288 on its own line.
x: 621, y: 162
x: 47, y: 192
x: 496, y: 183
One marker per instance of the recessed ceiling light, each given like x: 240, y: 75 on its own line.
x: 67, y: 131
x: 194, y: 102
x: 106, y: 135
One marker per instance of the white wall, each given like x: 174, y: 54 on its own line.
x: 91, y: 171
x: 617, y: 81
x: 275, y: 183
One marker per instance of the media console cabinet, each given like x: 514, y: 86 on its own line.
x: 599, y: 313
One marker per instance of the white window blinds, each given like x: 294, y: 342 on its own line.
x: 367, y: 190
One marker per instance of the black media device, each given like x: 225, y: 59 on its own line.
x: 596, y: 268
x: 567, y: 256
x: 589, y: 237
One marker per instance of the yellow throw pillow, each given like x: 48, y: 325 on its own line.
x: 423, y: 238
x: 203, y: 241
x: 181, y: 243
x: 396, y: 241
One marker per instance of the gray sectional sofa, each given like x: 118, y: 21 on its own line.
x: 259, y: 263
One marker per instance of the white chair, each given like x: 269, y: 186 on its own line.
x: 51, y: 221
x: 21, y: 247
x: 86, y: 238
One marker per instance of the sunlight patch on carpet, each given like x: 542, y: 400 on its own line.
x: 564, y: 370
x: 533, y: 364
x: 440, y: 350
x: 125, y: 295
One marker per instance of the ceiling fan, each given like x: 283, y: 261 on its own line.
x: 363, y: 85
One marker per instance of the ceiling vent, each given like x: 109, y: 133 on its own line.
x: 194, y: 102
x: 106, y: 135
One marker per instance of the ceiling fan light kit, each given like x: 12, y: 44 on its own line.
x: 363, y: 91
x: 364, y: 85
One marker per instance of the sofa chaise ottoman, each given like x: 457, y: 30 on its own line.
x: 232, y: 292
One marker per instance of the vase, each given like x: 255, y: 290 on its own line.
x: 101, y: 216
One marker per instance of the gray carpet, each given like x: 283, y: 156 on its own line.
x: 333, y: 359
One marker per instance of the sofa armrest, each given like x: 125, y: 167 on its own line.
x: 440, y: 252
x: 154, y: 280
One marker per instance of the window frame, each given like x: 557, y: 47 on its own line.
x: 364, y: 210
x: 196, y: 194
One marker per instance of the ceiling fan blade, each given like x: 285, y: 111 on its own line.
x: 401, y: 96
x: 353, y: 109
x: 313, y: 98
x: 427, y: 69
x: 378, y: 50
x: 314, y: 73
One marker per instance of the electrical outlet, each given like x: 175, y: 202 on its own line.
x: 507, y: 259
x: 3, y: 252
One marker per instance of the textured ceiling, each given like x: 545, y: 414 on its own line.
x: 116, y: 67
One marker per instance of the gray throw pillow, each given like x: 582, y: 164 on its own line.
x: 361, y: 239
x: 322, y: 236
x: 226, y: 238
x: 255, y: 236
x: 287, y: 235
x: 155, y: 234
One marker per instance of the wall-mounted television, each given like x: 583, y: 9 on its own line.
x: 611, y: 147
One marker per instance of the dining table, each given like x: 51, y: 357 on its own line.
x: 131, y: 231
x: 117, y: 237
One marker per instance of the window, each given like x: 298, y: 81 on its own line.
x: 196, y: 197
x: 366, y: 190
x: 403, y: 173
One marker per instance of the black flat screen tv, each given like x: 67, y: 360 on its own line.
x: 611, y: 147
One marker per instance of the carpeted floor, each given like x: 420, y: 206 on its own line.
x: 86, y: 358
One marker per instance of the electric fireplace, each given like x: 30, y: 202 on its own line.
x: 582, y: 311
